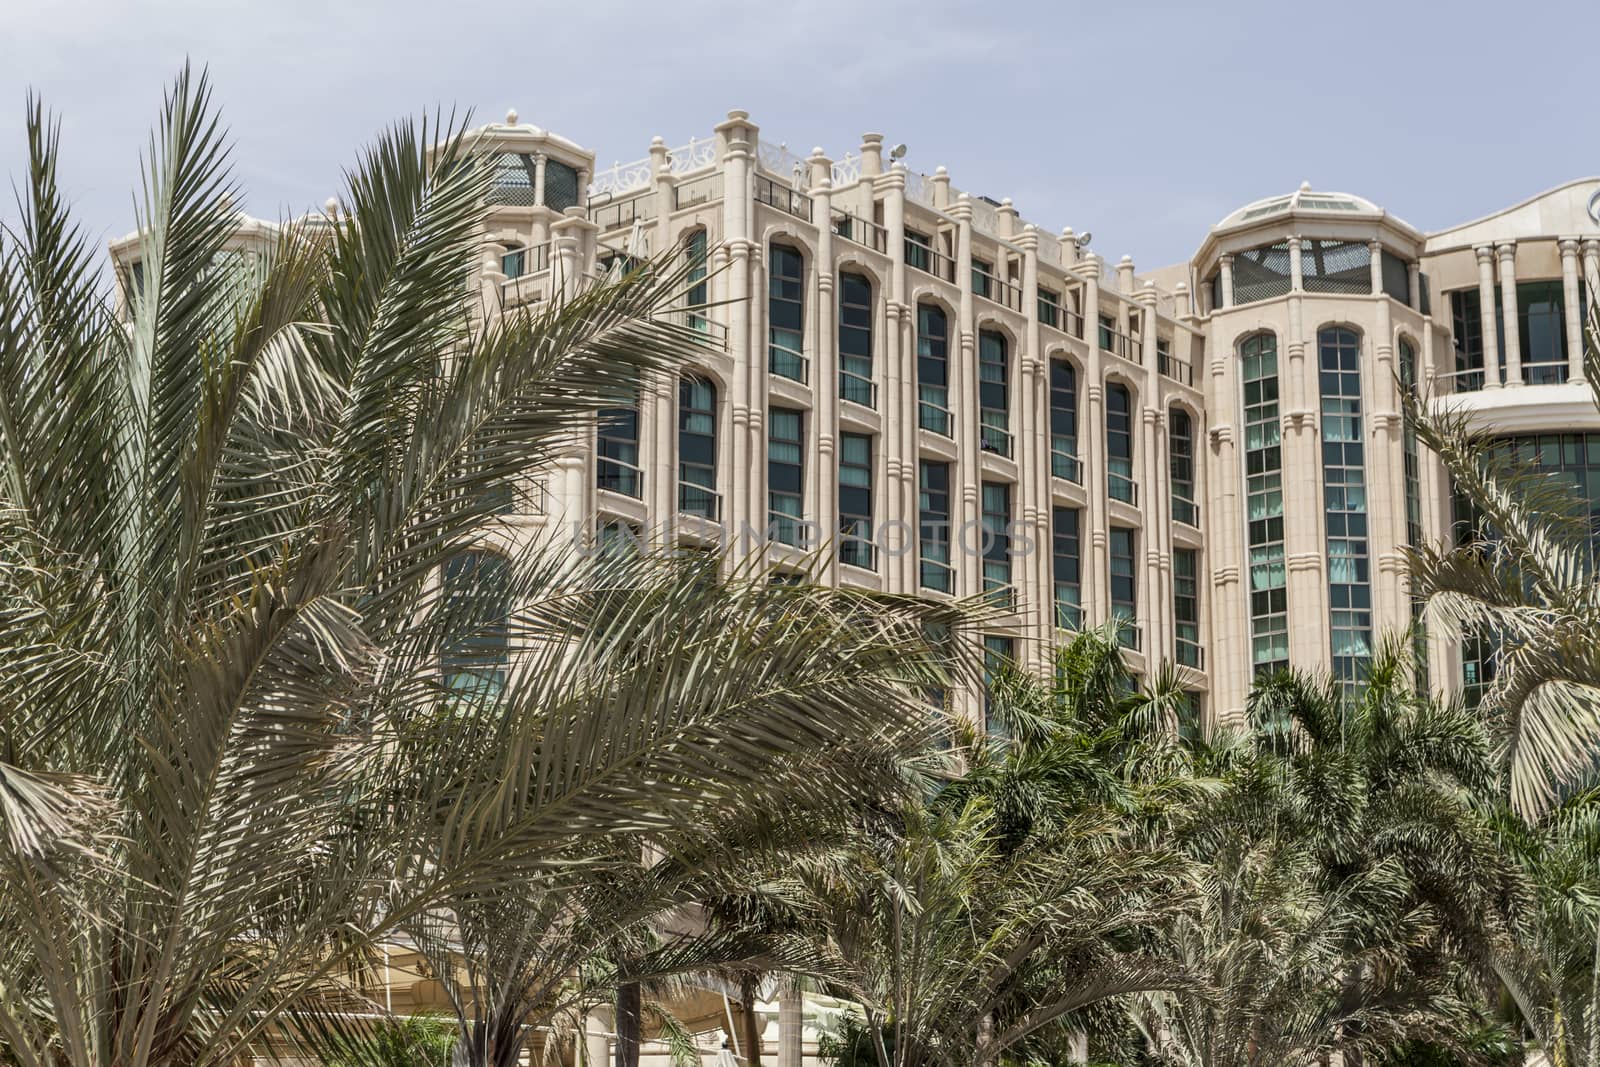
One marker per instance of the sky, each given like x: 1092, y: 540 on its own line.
x: 1144, y: 122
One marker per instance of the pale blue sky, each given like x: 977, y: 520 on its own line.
x: 1142, y: 121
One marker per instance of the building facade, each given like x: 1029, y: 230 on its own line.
x: 948, y: 400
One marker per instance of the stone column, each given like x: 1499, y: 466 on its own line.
x: 1570, y: 299
x: 1297, y: 277
x: 1033, y: 468
x: 1305, y: 548
x: 1414, y: 286
x: 791, y: 1023
x: 1375, y: 266
x: 1385, y: 466
x: 539, y: 161
x: 743, y: 342
x: 1225, y: 265
x: 1507, y: 254
x: 1486, y: 319
x: 966, y: 516
x: 597, y: 1038
x: 901, y: 433
x: 1096, y: 584
x: 1156, y: 504
x: 823, y: 495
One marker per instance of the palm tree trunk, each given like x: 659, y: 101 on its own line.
x: 986, y: 1050
x: 629, y: 1008
x: 750, y: 1026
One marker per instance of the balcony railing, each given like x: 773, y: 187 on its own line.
x: 995, y: 439
x: 999, y: 594
x: 1069, y: 613
x: 616, y: 476
x: 858, y: 552
x: 997, y: 289
x: 934, y: 574
x: 1189, y: 654
x: 923, y: 258
x: 1120, y: 344
x: 860, y: 231
x: 787, y: 363
x: 702, y: 190
x: 1544, y: 373
x: 1130, y: 634
x: 858, y: 390
x: 1122, y: 487
x: 782, y: 197
x: 935, y: 417
x: 699, y: 500
x: 714, y: 334
x: 620, y: 214
x: 1066, y: 465
x: 1179, y: 370
x: 527, y: 259
x: 1185, y: 511
x: 1469, y: 380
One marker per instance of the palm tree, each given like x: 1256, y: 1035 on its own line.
x: 1523, y: 582
x: 230, y: 761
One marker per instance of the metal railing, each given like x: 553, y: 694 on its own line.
x: 1066, y: 465
x: 995, y: 439
x: 1179, y: 370
x: 993, y: 287
x: 858, y: 552
x: 858, y: 390
x: 1122, y: 487
x: 699, y: 500
x: 922, y: 257
x: 617, y: 476
x: 1467, y: 380
x: 1185, y: 511
x: 934, y: 574
x: 785, y: 199
x: 702, y: 190
x: 999, y: 594
x: 860, y: 231
x: 787, y: 363
x: 619, y: 214
x: 1130, y: 634
x: 1120, y: 344
x: 524, y: 260
x: 934, y: 417
x: 1189, y: 653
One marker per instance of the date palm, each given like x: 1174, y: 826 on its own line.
x: 230, y: 762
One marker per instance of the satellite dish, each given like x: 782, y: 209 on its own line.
x: 897, y: 152
x: 1083, y: 239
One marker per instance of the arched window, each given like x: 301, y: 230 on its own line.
x: 617, y: 451
x: 694, y: 247
x: 855, y: 340
x: 1344, y: 493
x: 786, y: 314
x: 697, y: 448
x: 994, y: 393
x: 1119, y: 444
x: 1180, y: 443
x: 477, y: 606
x: 933, y: 369
x: 1263, y: 455
x: 1064, y: 421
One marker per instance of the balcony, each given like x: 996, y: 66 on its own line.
x: 1060, y: 318
x: 525, y: 260
x: 699, y: 500
x: 785, y: 362
x: 1185, y: 511
x: 1122, y: 487
x: 858, y: 552
x: 997, y: 594
x: 1120, y: 344
x: 1189, y: 654
x: 858, y: 390
x: 934, y: 417
x: 1069, y: 613
x: 936, y: 575
x: 1130, y: 634
x: 995, y: 439
x: 922, y: 257
x: 705, y: 189
x: 713, y: 333
x: 621, y: 214
x: 782, y: 197
x: 1066, y: 466
x: 1179, y: 370
x: 996, y: 289
x: 860, y: 231
x: 617, y: 476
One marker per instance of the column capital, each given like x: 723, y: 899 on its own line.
x: 1485, y: 253
x: 1591, y: 246
x: 1506, y: 249
x: 1227, y: 257
x: 1568, y: 245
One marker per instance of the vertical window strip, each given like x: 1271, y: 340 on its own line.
x: 933, y: 370
x: 1269, y: 596
x: 1125, y: 584
x: 786, y: 314
x: 1186, y: 606
x: 1180, y: 441
x: 994, y: 393
x: 855, y: 340
x: 697, y: 448
x: 997, y: 540
x: 1067, y: 567
x: 617, y: 451
x: 1064, y: 422
x: 1344, y: 491
x: 1119, y: 444
x: 933, y: 521
x: 855, y: 500
x: 785, y: 475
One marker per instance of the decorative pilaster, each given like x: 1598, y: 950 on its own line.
x: 1486, y: 318
x: 1570, y: 299
x: 1506, y: 252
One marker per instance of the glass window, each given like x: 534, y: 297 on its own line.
x: 1269, y: 596
x: 697, y: 448
x: 1119, y: 443
x: 1344, y: 493
x: 1413, y: 477
x: 1186, y: 606
x: 1067, y: 567
x: 1049, y: 307
x: 560, y: 185
x: 994, y: 393
x: 477, y: 605
x: 933, y: 369
x: 1542, y: 330
x: 1064, y: 422
x: 1180, y: 443
x: 855, y: 500
x: 617, y: 451
x: 1467, y: 331
x: 997, y: 540
x: 918, y: 249
x: 785, y: 475
x: 1125, y: 584
x: 933, y: 520
x: 1396, y: 276
x: 855, y: 340
x: 699, y: 292
x: 999, y: 654
x: 786, y: 314
x: 983, y: 278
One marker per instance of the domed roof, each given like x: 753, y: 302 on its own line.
x: 1303, y: 199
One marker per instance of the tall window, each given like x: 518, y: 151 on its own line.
x: 1466, y: 322
x: 855, y: 340
x: 933, y: 369
x: 855, y: 500
x: 999, y: 654
x: 617, y: 451
x: 786, y: 331
x: 1413, y: 473
x: 1125, y: 584
x: 1344, y: 492
x: 1186, y: 606
x: 1180, y: 442
x: 785, y: 474
x: 477, y: 606
x: 1119, y: 444
x: 1263, y: 454
x: 997, y: 540
x: 560, y: 186
x: 1064, y: 421
x: 933, y: 520
x: 994, y: 393
x: 697, y: 448
x: 1067, y: 567
x: 699, y: 293
x: 1050, y: 307
x: 1542, y: 329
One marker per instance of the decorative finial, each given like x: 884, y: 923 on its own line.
x: 1005, y: 201
x: 330, y: 207
x: 1305, y: 187
x: 511, y: 117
